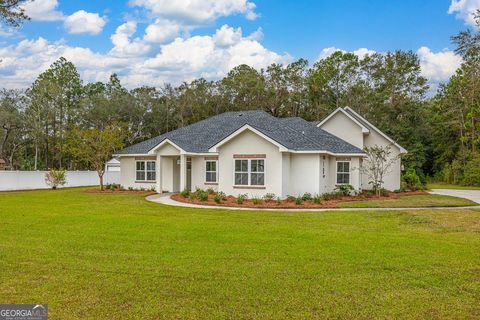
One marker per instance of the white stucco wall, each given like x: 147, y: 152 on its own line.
x: 392, y: 179
x: 304, y: 174
x: 344, y: 128
x: 128, y: 173
x: 198, y: 174
x: 250, y: 143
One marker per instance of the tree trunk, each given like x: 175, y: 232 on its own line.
x: 100, y: 175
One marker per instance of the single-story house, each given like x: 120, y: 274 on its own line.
x: 254, y: 153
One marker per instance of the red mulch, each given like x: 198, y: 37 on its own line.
x: 230, y: 201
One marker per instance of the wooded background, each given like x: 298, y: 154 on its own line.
x: 440, y: 131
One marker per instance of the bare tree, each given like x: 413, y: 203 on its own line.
x: 377, y: 164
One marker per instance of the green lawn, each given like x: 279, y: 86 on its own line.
x: 413, y: 201
x: 450, y: 186
x: 117, y: 256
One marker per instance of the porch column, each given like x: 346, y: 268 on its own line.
x: 159, y: 173
x: 183, y: 172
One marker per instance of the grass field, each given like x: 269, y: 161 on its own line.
x: 450, y: 186
x: 116, y: 256
x: 413, y: 201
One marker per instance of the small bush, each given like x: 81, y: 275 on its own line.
x: 279, y: 201
x: 298, y: 201
x: 307, y: 196
x: 202, y: 195
x: 317, y: 199
x: 222, y: 195
x: 193, y: 195
x: 108, y: 186
x: 241, y: 198
x: 55, y: 178
x: 256, y: 201
x: 331, y: 195
x: 291, y: 199
x: 130, y: 188
x: 185, y: 193
x: 269, y: 197
x: 210, y: 191
x: 384, y: 192
x: 115, y: 186
x: 217, y: 198
x: 345, y: 189
x: 411, y: 180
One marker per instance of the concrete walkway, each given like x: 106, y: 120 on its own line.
x: 473, y: 195
x: 166, y: 200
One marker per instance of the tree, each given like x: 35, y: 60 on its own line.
x: 376, y: 165
x: 55, y: 178
x: 12, y: 13
x: 95, y: 147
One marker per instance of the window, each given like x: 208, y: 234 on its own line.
x: 250, y: 172
x: 241, y: 172
x: 146, y: 171
x: 343, y: 172
x: 211, y: 171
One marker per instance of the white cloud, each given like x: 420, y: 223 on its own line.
x: 440, y: 66
x: 136, y: 62
x: 123, y: 46
x: 43, y: 10
x: 85, y: 22
x: 361, y: 52
x: 193, y: 12
x: 161, y: 30
x: 464, y: 10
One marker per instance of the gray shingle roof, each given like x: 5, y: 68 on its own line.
x: 293, y: 133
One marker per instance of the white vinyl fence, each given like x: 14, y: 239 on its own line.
x: 25, y: 180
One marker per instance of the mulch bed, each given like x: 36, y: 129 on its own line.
x: 230, y: 201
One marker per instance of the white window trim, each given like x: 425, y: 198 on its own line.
x: 216, y: 171
x: 145, y: 170
x: 249, y: 172
x: 349, y: 172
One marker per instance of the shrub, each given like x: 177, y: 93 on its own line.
x: 241, y: 198
x: 411, y: 180
x: 269, y: 197
x: 256, y: 201
x: 384, y: 192
x: 471, y: 173
x: 331, y: 195
x: 185, y: 193
x: 114, y: 186
x: 317, y: 199
x: 55, y: 178
x: 218, y: 198
x: 108, y: 186
x: 279, y: 200
x: 307, y: 196
x: 345, y: 189
x: 222, y: 195
x: 202, y: 195
x: 193, y: 195
x: 291, y: 199
x: 298, y: 201
x: 210, y: 191
x: 130, y: 188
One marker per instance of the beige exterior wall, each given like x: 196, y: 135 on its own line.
x: 304, y: 174
x: 250, y: 143
x: 343, y: 127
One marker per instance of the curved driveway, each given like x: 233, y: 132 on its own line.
x: 473, y: 195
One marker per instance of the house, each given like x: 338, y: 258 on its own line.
x: 254, y: 153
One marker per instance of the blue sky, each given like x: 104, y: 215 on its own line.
x: 151, y: 42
